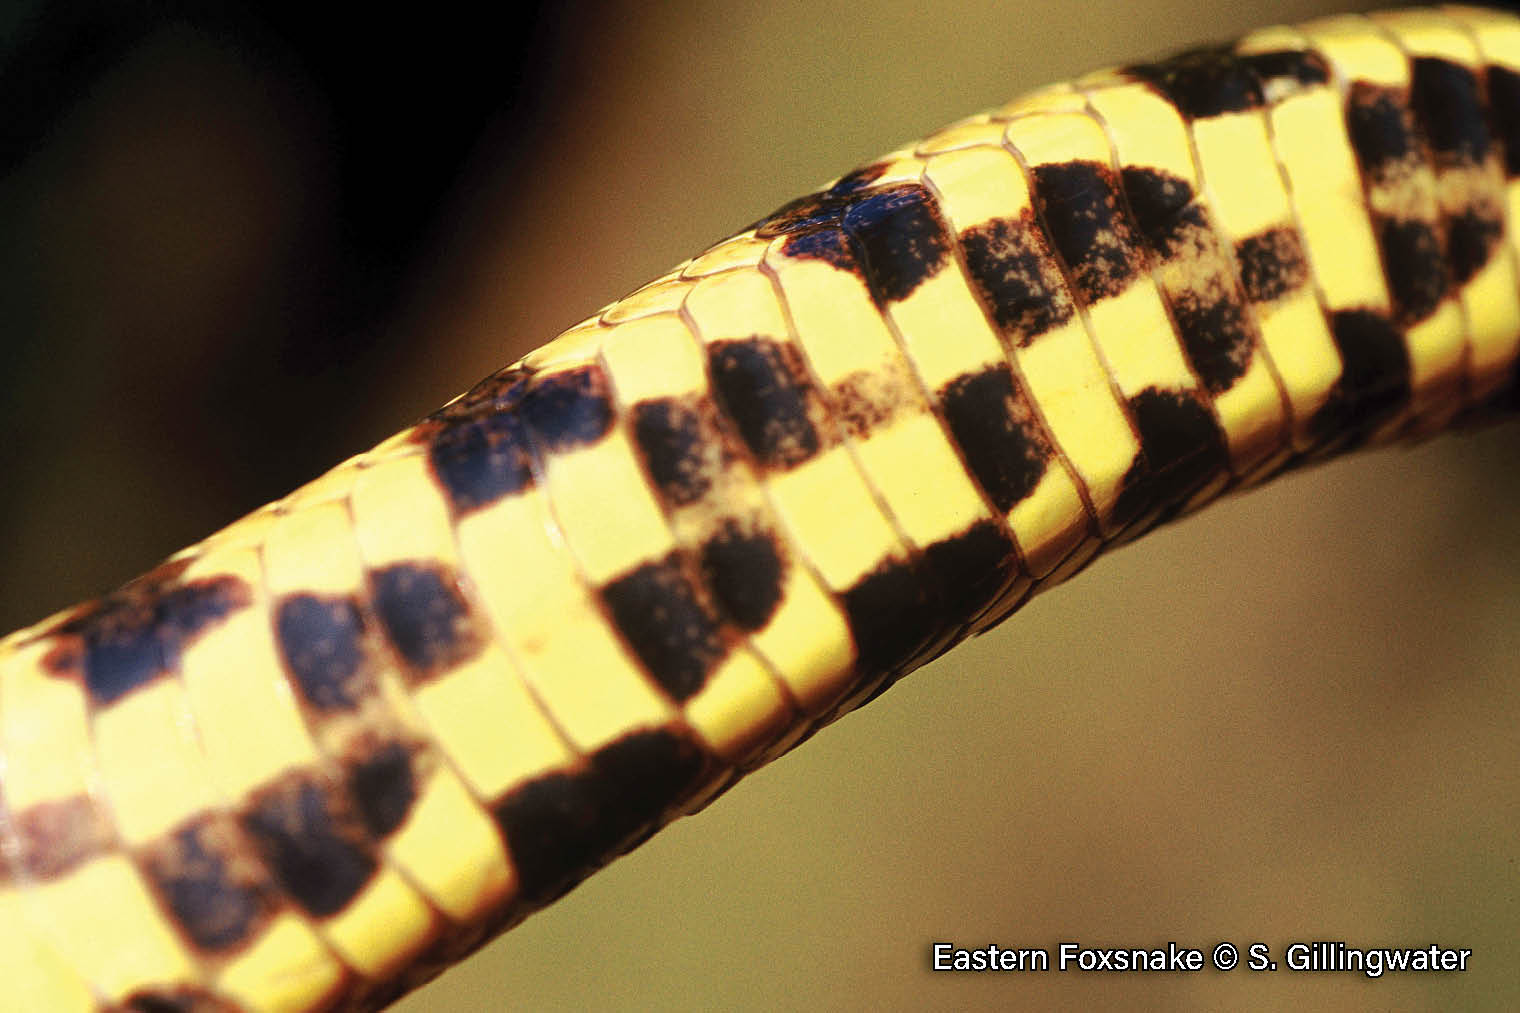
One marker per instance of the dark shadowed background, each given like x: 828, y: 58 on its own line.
x: 237, y: 245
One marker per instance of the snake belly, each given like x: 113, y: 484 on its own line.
x: 312, y: 760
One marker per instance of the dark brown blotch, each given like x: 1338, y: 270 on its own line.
x: 321, y: 641
x: 829, y: 244
x: 1216, y: 333
x: 1375, y: 375
x: 997, y: 433
x: 1165, y: 209
x: 891, y: 618
x: 383, y: 785
x: 1204, y: 82
x: 1182, y: 448
x: 970, y: 569
x: 1183, y: 443
x: 1020, y: 283
x: 1471, y: 238
x: 1416, y: 266
x: 213, y: 890
x: 569, y: 409
x: 744, y: 568
x: 901, y: 238
x: 481, y: 461
x: 1504, y: 113
x: 865, y: 401
x: 477, y: 447
x: 312, y: 841
x: 561, y: 827
x: 136, y: 634
x: 762, y: 386
x: 424, y: 615
x: 679, y: 444
x: 1272, y: 264
x: 660, y: 613
x: 1381, y: 129
x: 1080, y: 205
x: 1447, y: 106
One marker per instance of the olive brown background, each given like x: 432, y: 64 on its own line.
x: 239, y: 244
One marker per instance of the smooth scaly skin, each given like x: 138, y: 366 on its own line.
x: 746, y: 498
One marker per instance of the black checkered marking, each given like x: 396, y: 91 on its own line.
x: 997, y: 433
x: 662, y: 614
x: 1080, y: 204
x: 478, y: 448
x: 1217, y: 332
x: 562, y: 826
x: 678, y: 441
x: 210, y: 886
x: 424, y: 615
x: 132, y: 637
x: 901, y: 237
x: 1011, y: 267
x: 1204, y: 82
x: 762, y: 387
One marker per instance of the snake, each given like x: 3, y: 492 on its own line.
x: 333, y: 748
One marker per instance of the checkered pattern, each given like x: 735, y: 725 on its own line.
x: 332, y: 748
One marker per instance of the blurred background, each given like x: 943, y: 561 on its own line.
x: 239, y: 243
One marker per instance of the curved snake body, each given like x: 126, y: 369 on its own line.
x: 332, y: 748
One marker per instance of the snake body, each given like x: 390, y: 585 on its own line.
x: 332, y: 748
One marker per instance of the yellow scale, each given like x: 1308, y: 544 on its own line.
x: 553, y: 681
